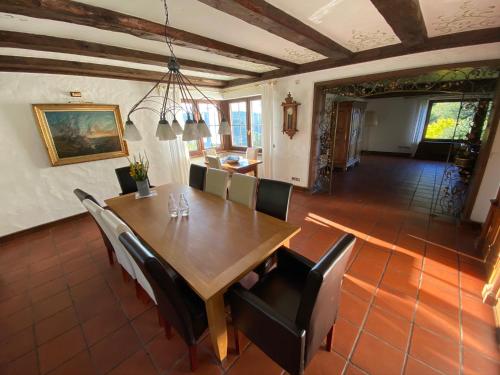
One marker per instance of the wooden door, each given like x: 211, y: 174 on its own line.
x: 342, y: 134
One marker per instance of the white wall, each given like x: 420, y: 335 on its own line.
x: 397, y: 120
x: 32, y: 192
x: 490, y: 183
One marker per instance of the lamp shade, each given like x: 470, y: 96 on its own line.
x: 224, y: 128
x: 371, y: 118
x: 176, y: 127
x: 203, y: 129
x: 164, y: 132
x: 131, y: 133
x: 190, y: 132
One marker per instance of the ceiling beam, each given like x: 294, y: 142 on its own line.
x: 405, y: 18
x: 466, y: 38
x: 53, y: 66
x: 105, y: 19
x: 261, y: 14
x: 13, y: 39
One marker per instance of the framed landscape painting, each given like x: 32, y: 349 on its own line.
x: 77, y: 133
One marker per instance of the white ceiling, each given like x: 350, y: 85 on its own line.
x: 355, y: 24
x: 198, y: 18
x: 453, y: 16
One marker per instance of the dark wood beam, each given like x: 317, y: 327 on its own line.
x: 261, y: 14
x: 105, y: 19
x: 79, y: 47
x: 52, y: 66
x: 466, y: 38
x: 405, y: 18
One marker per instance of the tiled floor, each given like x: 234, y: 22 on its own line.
x: 410, y: 303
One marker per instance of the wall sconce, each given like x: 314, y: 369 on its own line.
x: 290, y: 107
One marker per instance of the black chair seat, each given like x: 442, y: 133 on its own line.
x: 195, y: 306
x: 281, y: 291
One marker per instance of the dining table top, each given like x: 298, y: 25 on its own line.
x: 212, y: 248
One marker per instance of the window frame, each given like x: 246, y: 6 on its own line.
x: 428, y: 115
x: 229, y: 138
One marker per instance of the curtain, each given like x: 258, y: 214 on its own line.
x: 175, y: 153
x: 419, y: 124
x: 269, y: 114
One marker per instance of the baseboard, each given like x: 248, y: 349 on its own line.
x: 302, y: 189
x: 385, y: 153
x: 11, y: 236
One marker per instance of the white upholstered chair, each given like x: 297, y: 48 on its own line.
x: 214, y: 162
x: 216, y: 182
x: 209, y: 152
x: 252, y: 153
x: 117, y: 227
x: 242, y: 189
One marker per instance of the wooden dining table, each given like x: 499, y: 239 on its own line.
x: 212, y: 248
x: 242, y: 166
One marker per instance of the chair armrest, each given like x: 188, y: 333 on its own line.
x: 290, y: 260
x: 272, y: 332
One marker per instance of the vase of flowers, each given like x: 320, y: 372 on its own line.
x: 139, y: 167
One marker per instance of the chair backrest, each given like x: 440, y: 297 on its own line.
x: 95, y: 210
x: 82, y: 195
x: 214, y: 162
x: 114, y: 226
x: 127, y: 183
x: 320, y: 297
x: 209, y: 152
x: 216, y: 182
x: 273, y: 198
x: 167, y: 286
x: 242, y: 189
x: 252, y: 153
x: 197, y: 176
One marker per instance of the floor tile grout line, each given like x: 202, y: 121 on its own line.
x: 365, y: 318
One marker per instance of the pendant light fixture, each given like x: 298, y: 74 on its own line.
x: 177, y: 83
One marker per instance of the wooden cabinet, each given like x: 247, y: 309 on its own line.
x: 347, y: 136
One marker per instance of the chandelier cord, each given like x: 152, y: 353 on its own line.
x: 168, y: 39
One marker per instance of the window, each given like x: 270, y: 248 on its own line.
x: 246, y: 123
x: 442, y: 116
x: 238, y: 112
x: 210, y: 114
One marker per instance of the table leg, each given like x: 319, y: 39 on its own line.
x: 217, y: 325
x: 255, y: 171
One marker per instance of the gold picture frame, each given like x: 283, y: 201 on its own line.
x: 79, y: 133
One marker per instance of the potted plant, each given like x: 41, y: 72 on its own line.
x: 139, y: 172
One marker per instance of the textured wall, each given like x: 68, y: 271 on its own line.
x: 31, y: 191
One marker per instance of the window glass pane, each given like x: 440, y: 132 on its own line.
x: 210, y: 114
x: 256, y: 122
x: 182, y: 117
x: 443, y: 120
x: 238, y: 113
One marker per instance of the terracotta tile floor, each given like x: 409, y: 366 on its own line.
x: 410, y: 302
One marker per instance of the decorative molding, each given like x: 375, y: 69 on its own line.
x: 301, y: 56
x: 468, y: 17
x: 361, y: 40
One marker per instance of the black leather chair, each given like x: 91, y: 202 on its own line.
x: 291, y: 309
x: 178, y: 304
x: 273, y: 198
x: 197, y: 176
x: 127, y: 183
x: 82, y: 195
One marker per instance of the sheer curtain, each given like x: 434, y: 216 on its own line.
x: 175, y: 153
x: 269, y: 114
x: 419, y: 124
